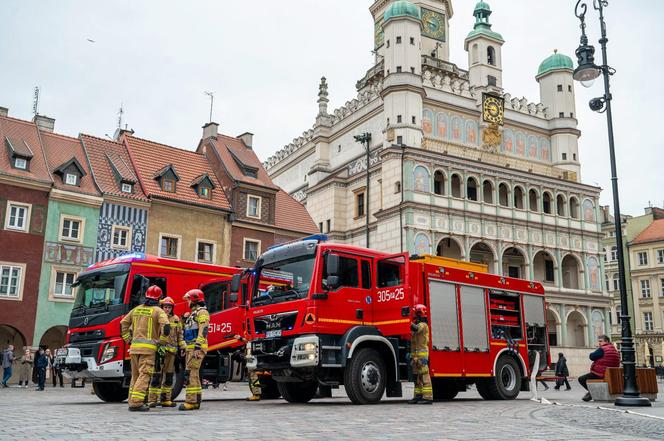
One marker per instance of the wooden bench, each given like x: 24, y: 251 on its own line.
x: 611, y: 386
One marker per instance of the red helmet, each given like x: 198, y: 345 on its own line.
x: 420, y: 310
x: 153, y: 292
x: 167, y: 301
x: 194, y: 295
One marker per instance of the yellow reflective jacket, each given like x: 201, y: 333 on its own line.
x: 419, y: 343
x: 143, y: 327
x: 196, y: 328
x: 175, y: 340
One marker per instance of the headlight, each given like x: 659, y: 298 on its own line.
x: 305, y: 351
x: 307, y: 347
x: 108, y: 354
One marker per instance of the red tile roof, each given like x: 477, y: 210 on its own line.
x: 108, y: 158
x: 653, y: 233
x: 60, y: 149
x: 291, y: 215
x: 149, y: 157
x: 231, y: 150
x: 19, y: 131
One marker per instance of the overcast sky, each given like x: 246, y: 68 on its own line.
x: 264, y: 59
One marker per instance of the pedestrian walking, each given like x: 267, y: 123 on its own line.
x: 27, y: 360
x: 195, y: 338
x: 41, y: 363
x: 7, y: 364
x: 605, y: 356
x: 419, y: 357
x: 562, y: 372
x: 54, y: 370
x: 144, y: 327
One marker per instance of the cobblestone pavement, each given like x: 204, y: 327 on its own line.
x: 75, y: 414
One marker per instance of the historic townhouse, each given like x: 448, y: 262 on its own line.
x: 71, y: 234
x: 264, y: 214
x: 458, y: 166
x: 189, y: 211
x: 123, y: 216
x: 24, y: 187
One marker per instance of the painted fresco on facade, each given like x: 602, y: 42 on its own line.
x: 427, y: 122
x: 597, y: 320
x: 421, y: 178
x: 124, y: 216
x: 64, y: 254
x: 442, y: 121
x: 472, y: 132
x: 593, y: 274
x: 588, y: 211
x: 422, y: 244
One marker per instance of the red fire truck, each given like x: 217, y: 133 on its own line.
x: 108, y: 290
x: 336, y: 314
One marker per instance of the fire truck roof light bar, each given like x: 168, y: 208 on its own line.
x: 317, y: 237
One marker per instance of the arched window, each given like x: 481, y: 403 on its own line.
x: 503, y: 195
x: 491, y: 55
x: 475, y: 53
x: 560, y: 205
x: 487, y: 191
x: 439, y: 182
x: 471, y: 189
x: 456, y: 186
x: 518, y: 198
x: 533, y: 200
x: 574, y: 207
x: 546, y: 202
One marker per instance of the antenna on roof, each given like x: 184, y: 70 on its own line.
x: 211, y: 95
x: 120, y: 114
x: 35, y: 102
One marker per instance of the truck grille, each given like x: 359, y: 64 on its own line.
x: 86, y: 335
x: 284, y: 321
x: 270, y: 346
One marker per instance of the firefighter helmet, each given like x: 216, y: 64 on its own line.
x: 194, y: 295
x: 167, y: 301
x: 153, y: 292
x: 420, y: 310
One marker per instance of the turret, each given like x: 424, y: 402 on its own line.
x: 557, y: 95
x: 402, y: 89
x: 484, y: 46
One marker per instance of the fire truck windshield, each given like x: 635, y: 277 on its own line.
x: 285, y: 280
x: 101, y: 288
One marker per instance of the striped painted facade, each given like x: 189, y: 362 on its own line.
x: 124, y: 216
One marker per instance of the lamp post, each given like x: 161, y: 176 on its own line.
x: 586, y: 73
x: 365, y: 139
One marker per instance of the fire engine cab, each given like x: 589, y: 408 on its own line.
x: 326, y: 314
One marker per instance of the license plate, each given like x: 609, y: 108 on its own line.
x: 61, y: 352
x: 273, y: 333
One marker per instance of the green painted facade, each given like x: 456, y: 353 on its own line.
x: 70, y: 256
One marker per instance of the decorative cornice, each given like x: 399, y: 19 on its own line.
x: 76, y: 198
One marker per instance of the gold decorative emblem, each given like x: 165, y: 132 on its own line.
x: 492, y: 136
x: 493, y: 109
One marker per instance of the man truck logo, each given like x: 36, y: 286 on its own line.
x: 85, y: 321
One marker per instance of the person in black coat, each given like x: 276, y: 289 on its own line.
x: 41, y: 363
x: 562, y: 371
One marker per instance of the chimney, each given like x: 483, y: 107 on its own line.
x: 44, y: 123
x: 210, y: 130
x: 4, y: 111
x: 248, y: 139
x: 117, y: 136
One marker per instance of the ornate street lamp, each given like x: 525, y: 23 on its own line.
x: 586, y: 73
x: 365, y: 139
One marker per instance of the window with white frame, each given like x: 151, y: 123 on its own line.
x: 614, y: 253
x: 127, y: 188
x: 647, y: 321
x: 254, y: 206
x: 20, y: 163
x: 645, y: 289
x: 121, y: 237
x: 62, y: 284
x: 615, y: 282
x: 169, y: 247
x: 642, y: 258
x: 71, y: 179
x: 71, y: 229
x: 251, y: 249
x: 11, y: 281
x: 205, y: 252
x: 660, y: 256
x: 17, y: 216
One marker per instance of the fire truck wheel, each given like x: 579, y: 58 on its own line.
x: 110, y: 392
x: 365, y: 377
x: 269, y: 388
x: 444, y: 390
x: 298, y: 392
x: 507, y: 382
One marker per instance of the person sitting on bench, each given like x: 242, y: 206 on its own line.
x: 605, y: 356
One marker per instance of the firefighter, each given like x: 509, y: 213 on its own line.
x: 162, y: 380
x: 195, y: 338
x: 145, y: 328
x: 419, y: 356
x: 254, y: 382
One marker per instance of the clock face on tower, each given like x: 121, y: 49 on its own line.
x: 433, y: 24
x: 493, y: 109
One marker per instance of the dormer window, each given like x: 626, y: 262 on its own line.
x: 71, y: 179
x: 204, y: 192
x: 168, y: 185
x: 20, y: 163
x: 70, y: 172
x: 203, y: 186
x: 167, y: 178
x: 127, y: 188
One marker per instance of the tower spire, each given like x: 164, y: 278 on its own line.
x: 322, y: 97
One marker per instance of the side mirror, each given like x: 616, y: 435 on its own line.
x: 235, y: 285
x: 332, y: 282
x: 332, y: 265
x: 145, y: 284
